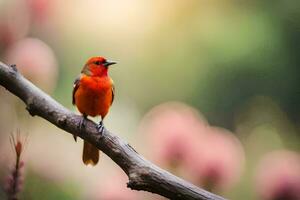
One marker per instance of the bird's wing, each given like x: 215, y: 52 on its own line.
x: 75, y: 87
x: 113, y: 93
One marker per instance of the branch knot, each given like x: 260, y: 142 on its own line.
x: 14, y: 67
x: 30, y: 106
x: 62, y: 120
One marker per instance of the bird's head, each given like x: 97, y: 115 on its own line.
x: 97, y: 66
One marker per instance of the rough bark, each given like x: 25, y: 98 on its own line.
x: 142, y: 174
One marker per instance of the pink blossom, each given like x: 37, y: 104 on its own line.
x: 171, y: 129
x: 40, y: 9
x: 182, y: 140
x: 217, y: 160
x: 36, y: 61
x: 278, y: 176
x: 14, y: 23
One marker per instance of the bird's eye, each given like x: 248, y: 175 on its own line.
x: 97, y: 62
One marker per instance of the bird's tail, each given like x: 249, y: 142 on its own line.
x: 90, y: 155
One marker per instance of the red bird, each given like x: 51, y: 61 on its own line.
x: 93, y: 94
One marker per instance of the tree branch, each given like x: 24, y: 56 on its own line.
x: 142, y: 174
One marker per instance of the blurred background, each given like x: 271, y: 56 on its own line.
x: 208, y: 90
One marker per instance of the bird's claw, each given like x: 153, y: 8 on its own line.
x: 81, y: 124
x: 100, y: 127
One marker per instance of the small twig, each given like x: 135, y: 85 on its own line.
x: 14, y: 180
x: 142, y: 174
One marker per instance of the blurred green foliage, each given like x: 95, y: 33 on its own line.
x: 214, y: 60
x: 237, y: 62
x: 37, y: 187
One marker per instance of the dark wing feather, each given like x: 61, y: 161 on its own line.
x: 113, y: 93
x: 75, y: 87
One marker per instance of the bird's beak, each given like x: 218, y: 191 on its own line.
x: 108, y: 63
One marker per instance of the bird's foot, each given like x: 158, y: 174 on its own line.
x: 82, y: 123
x: 100, y: 127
